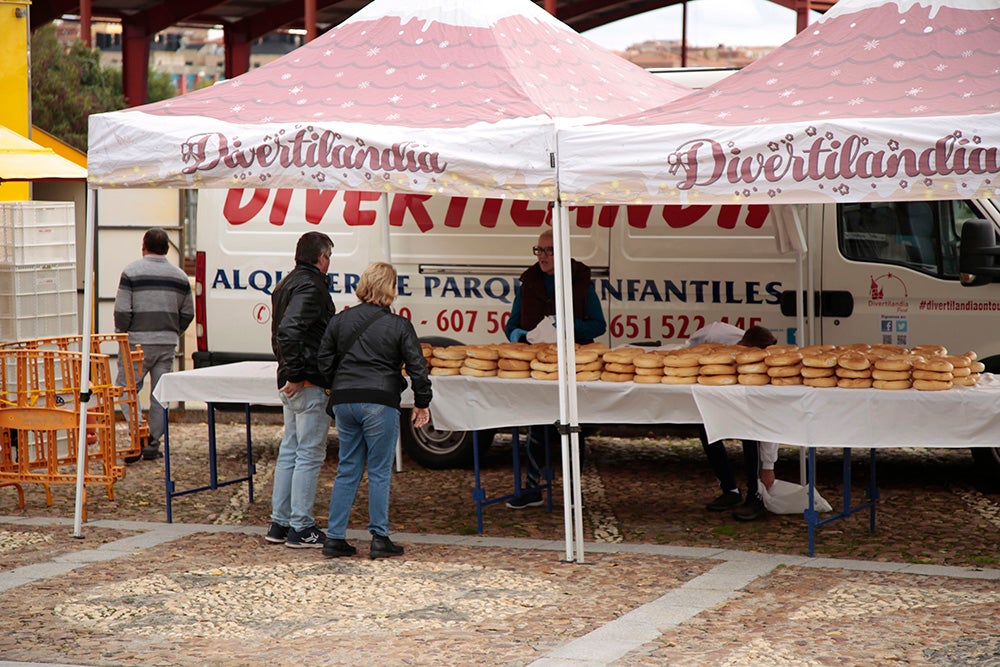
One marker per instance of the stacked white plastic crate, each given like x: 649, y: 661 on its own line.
x: 38, y: 294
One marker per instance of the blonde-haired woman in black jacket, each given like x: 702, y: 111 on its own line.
x: 363, y: 352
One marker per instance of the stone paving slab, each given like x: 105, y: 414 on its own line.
x: 184, y: 594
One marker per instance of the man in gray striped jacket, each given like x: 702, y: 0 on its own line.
x: 154, y: 306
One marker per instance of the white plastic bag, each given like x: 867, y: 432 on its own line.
x: 717, y: 332
x: 789, y: 498
x: 545, y: 332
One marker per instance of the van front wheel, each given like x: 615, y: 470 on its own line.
x: 439, y: 450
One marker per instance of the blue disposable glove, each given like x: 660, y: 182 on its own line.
x: 517, y: 334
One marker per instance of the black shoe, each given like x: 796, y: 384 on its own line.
x: 727, y: 501
x: 337, y: 548
x: 750, y: 509
x: 526, y: 499
x: 151, y: 453
x: 277, y: 534
x: 129, y: 460
x: 308, y: 538
x: 382, y: 547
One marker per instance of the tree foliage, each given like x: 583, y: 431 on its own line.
x: 70, y: 84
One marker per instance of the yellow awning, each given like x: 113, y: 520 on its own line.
x: 23, y: 160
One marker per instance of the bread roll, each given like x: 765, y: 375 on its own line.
x: 855, y: 361
x: 849, y: 374
x: 589, y: 376
x: 595, y: 365
x: 720, y: 358
x: 784, y: 371
x: 680, y: 360
x: 753, y: 379
x: 505, y: 364
x: 655, y: 372
x: 690, y: 371
x: 816, y: 350
x: 716, y: 380
x: 809, y: 372
x: 961, y: 372
x: 930, y: 350
x: 479, y: 364
x: 622, y: 355
x: 476, y: 372
x: 890, y: 376
x: 819, y: 360
x: 793, y: 358
x: 679, y: 379
x: 648, y: 360
x: 788, y: 381
x: 891, y: 384
x: 586, y: 356
x: 548, y: 355
x: 438, y: 362
x: 482, y: 352
x: 895, y: 362
x: 854, y: 347
x: 608, y: 376
x: 823, y: 382
x: 613, y: 367
x: 717, y: 369
x: 516, y: 351
x: 513, y: 375
x: 450, y: 353
x: 537, y: 365
x: 758, y: 367
x: 646, y: 379
x: 977, y: 367
x: 933, y: 364
x: 442, y: 370
x: 931, y: 375
x: 931, y: 385
x: 780, y: 349
x: 854, y: 383
x: 753, y: 356
x: 966, y: 380
x: 544, y: 375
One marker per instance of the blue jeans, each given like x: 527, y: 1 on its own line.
x: 300, y: 457
x: 368, y: 432
x: 157, y: 361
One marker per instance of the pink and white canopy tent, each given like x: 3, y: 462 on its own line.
x: 447, y: 97
x: 880, y: 99
x: 426, y: 96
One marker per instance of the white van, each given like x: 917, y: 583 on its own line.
x: 880, y: 273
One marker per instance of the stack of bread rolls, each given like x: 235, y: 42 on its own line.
x: 648, y: 367
x: 717, y: 367
x: 514, y: 360
x: 889, y: 367
x: 751, y: 368
x: 892, y: 372
x: 447, y: 360
x: 480, y: 361
x: 784, y: 365
x: 680, y: 367
x: 618, y: 366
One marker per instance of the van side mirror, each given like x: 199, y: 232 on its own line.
x: 977, y: 253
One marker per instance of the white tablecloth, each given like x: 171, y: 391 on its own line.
x: 958, y: 417
x: 807, y: 416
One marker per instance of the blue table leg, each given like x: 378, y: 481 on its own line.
x: 478, y: 495
x: 213, y: 472
x: 811, y: 515
x: 167, y: 483
x: 251, y: 466
x: 873, y: 493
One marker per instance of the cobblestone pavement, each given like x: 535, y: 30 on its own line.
x: 664, y: 583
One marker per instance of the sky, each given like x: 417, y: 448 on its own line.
x: 710, y: 22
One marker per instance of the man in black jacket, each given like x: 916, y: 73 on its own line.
x: 301, y: 307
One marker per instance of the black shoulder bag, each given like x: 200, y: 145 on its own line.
x: 354, y: 339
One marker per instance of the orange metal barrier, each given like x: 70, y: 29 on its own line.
x: 39, y: 419
x: 126, y: 398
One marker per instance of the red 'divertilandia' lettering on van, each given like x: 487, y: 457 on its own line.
x: 242, y: 206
